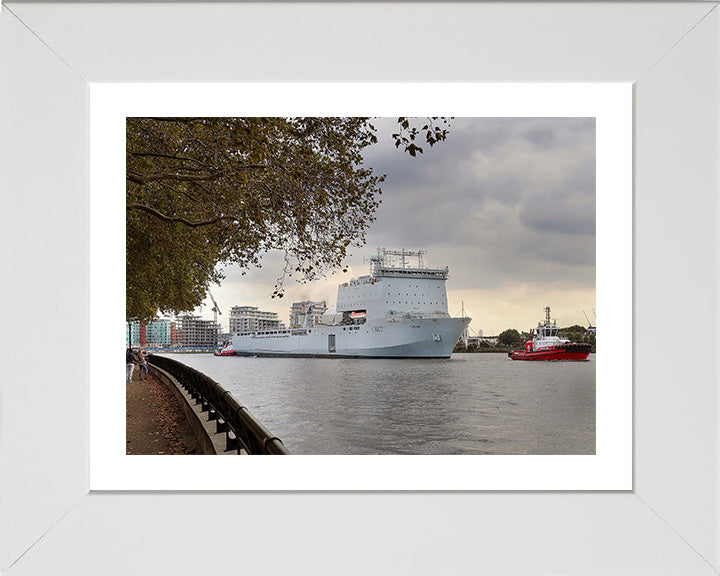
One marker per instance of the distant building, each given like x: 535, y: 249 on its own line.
x: 251, y: 319
x: 468, y: 340
x: 132, y: 333
x: 135, y: 333
x: 194, y: 332
x: 304, y: 314
x: 476, y: 340
x: 161, y: 333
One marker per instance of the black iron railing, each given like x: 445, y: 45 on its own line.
x: 242, y: 431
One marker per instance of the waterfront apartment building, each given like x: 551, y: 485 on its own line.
x: 135, y: 332
x: 161, y: 333
x: 194, y: 332
x: 304, y: 314
x: 157, y: 334
x: 251, y: 319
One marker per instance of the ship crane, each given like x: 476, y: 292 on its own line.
x: 307, y: 312
x: 591, y: 328
x: 215, y: 308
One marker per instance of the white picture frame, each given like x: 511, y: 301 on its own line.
x: 668, y: 523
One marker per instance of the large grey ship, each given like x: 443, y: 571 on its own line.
x: 399, y: 310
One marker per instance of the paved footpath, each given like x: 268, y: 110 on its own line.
x: 155, y: 423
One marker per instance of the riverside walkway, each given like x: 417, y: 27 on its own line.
x: 155, y: 422
x: 179, y: 410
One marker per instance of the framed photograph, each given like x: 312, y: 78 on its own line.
x: 503, y: 112
x: 76, y: 74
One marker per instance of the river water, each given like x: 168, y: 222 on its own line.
x: 469, y: 404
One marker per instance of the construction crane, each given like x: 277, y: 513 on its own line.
x: 591, y: 328
x: 215, y: 308
x: 466, y: 333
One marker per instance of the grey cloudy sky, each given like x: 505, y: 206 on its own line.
x: 507, y: 203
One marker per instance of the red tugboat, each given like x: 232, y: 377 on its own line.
x: 227, y: 350
x: 547, y: 345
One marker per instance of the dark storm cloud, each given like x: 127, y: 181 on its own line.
x: 514, y: 195
x: 567, y: 214
x: 543, y: 137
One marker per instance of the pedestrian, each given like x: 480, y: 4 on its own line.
x: 130, y: 359
x: 142, y: 362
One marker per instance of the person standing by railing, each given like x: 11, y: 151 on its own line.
x: 142, y: 362
x: 130, y: 359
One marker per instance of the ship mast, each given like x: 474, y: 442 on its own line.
x: 403, y: 254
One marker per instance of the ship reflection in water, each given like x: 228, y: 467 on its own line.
x: 470, y: 404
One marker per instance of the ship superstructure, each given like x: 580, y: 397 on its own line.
x: 399, y: 310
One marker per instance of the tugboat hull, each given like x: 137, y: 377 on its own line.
x: 576, y: 352
x: 227, y: 350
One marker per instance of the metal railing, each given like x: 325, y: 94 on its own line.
x: 242, y: 430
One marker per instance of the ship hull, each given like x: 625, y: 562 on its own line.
x: 391, y: 338
x: 574, y: 352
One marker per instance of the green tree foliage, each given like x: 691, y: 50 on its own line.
x: 579, y: 333
x: 204, y: 192
x: 510, y: 337
x: 574, y: 336
x: 435, y: 130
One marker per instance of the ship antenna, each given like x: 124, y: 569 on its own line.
x: 547, y: 315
